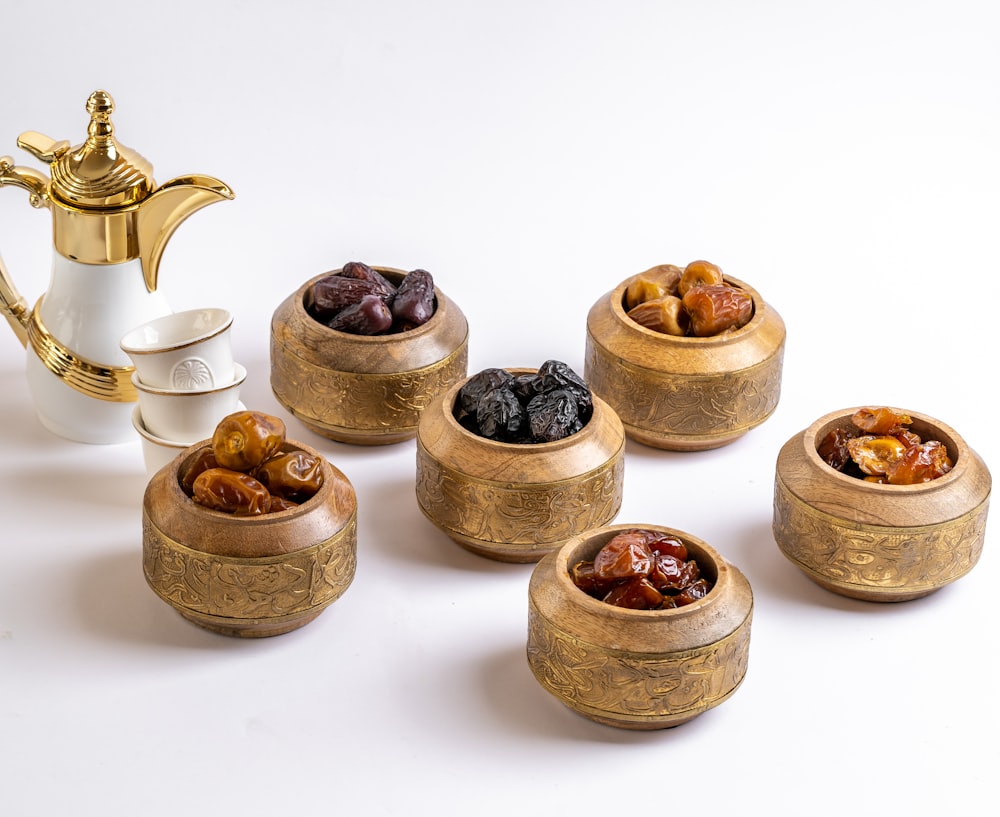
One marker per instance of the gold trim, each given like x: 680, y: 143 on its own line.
x: 110, y: 383
x: 249, y: 591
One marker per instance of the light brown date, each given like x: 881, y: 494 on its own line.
x: 244, y: 440
x: 232, y: 492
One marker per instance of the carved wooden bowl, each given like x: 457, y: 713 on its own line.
x: 637, y: 669
x: 685, y: 393
x: 249, y: 576
x: 365, y: 390
x: 879, y: 542
x: 516, y: 502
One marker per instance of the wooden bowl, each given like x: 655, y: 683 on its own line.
x: 249, y: 576
x: 365, y: 390
x: 685, y: 393
x: 879, y: 542
x: 516, y: 502
x: 637, y: 669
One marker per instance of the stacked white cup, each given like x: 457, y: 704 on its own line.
x: 185, y: 378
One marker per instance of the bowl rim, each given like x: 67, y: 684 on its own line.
x: 703, y: 551
x: 616, y: 298
x: 129, y: 342
x: 958, y: 450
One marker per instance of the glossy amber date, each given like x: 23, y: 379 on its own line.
x: 665, y: 314
x: 642, y: 569
x: 625, y: 556
x: 245, y: 439
x: 881, y: 420
x: 189, y: 471
x: 294, y: 475
x: 879, y: 447
x: 716, y: 309
x: 232, y: 492
x: 699, y: 274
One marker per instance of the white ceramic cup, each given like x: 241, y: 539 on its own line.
x: 186, y: 416
x: 156, y: 452
x: 189, y: 350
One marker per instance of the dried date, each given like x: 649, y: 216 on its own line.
x: 642, y: 570
x: 293, y: 475
x: 345, y: 300
x: 232, y: 492
x: 716, y: 309
x: 879, y: 446
x: 535, y: 407
x: 696, y: 301
x: 245, y: 439
x: 414, y: 301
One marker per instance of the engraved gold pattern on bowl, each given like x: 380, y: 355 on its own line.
x: 248, y: 592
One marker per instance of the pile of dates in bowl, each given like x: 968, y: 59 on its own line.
x: 512, y: 462
x: 249, y: 533
x: 638, y: 626
x: 690, y: 358
x: 880, y: 504
x: 359, y: 352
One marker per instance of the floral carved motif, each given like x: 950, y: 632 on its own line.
x: 874, y: 556
x: 686, y: 404
x: 526, y: 514
x: 265, y: 587
x: 632, y: 684
x: 361, y: 401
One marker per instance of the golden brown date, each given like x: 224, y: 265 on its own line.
x: 294, y: 475
x: 232, y: 492
x: 696, y: 301
x: 699, y: 274
x: 716, y: 309
x: 656, y: 282
x: 244, y: 440
x: 202, y: 461
x: 665, y: 314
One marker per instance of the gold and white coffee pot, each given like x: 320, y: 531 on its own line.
x: 110, y: 224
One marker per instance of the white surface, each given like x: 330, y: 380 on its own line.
x: 843, y: 159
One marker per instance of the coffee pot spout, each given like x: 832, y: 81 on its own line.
x: 163, y: 211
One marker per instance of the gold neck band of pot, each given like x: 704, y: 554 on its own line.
x: 110, y: 383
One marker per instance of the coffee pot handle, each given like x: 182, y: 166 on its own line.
x: 13, y: 306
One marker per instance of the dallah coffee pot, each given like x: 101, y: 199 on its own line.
x: 110, y: 224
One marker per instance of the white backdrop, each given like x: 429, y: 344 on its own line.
x: 840, y: 157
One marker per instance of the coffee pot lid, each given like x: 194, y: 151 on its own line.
x: 101, y: 173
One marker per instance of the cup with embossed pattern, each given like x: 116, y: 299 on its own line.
x: 183, y: 351
x: 637, y: 669
x: 875, y: 542
x: 685, y: 393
